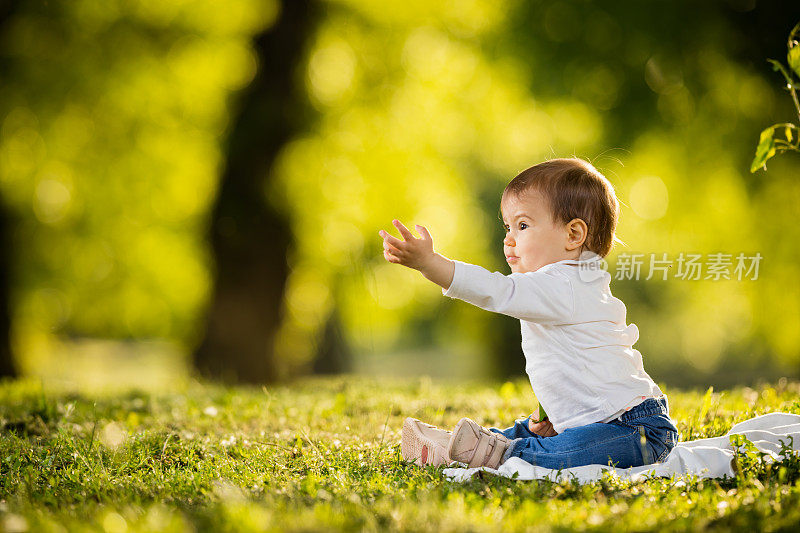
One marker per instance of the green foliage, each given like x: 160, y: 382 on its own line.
x: 793, y: 57
x: 324, y: 455
x: 770, y: 143
x: 426, y: 112
x: 417, y: 121
x: 677, y: 101
x: 112, y: 116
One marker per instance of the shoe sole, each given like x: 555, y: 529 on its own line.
x: 413, y: 445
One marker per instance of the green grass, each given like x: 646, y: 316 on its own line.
x: 323, y: 454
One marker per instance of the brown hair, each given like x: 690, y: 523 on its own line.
x: 574, y: 189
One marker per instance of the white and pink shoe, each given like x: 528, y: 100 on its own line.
x: 424, y: 444
x: 476, y: 446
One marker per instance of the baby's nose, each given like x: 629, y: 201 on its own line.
x: 509, y: 241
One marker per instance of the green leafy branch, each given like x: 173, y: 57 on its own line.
x: 782, y: 137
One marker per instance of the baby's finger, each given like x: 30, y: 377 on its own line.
x: 389, y: 248
x: 424, y: 232
x: 407, y: 235
x: 391, y: 239
x: 389, y: 257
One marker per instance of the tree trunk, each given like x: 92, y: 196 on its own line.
x: 333, y: 355
x: 8, y: 368
x: 250, y: 238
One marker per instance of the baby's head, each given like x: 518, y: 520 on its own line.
x: 556, y: 210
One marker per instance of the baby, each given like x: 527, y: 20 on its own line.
x: 603, y: 408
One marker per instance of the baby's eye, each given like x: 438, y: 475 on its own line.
x: 523, y: 225
x: 505, y: 228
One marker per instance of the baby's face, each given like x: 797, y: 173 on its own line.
x: 532, y: 238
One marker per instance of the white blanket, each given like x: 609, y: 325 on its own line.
x: 705, y: 458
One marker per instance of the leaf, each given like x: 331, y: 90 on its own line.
x: 793, y: 57
x: 777, y: 67
x: 764, y: 150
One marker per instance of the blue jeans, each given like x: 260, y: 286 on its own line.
x: 641, y: 436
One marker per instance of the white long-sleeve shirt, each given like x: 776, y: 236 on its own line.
x: 578, y: 349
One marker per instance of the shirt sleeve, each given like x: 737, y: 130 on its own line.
x: 539, y: 296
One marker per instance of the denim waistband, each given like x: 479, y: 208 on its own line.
x: 649, y: 407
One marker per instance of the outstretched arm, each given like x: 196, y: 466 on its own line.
x: 544, y: 297
x: 417, y: 254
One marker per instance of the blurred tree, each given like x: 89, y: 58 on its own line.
x: 250, y: 236
x: 115, y: 118
x: 112, y: 116
x: 334, y: 354
x: 427, y: 111
x: 8, y: 366
x: 677, y: 95
x: 418, y: 121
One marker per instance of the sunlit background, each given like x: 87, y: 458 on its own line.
x: 121, y: 122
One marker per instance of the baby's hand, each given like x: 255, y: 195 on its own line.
x: 411, y: 252
x: 543, y: 428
